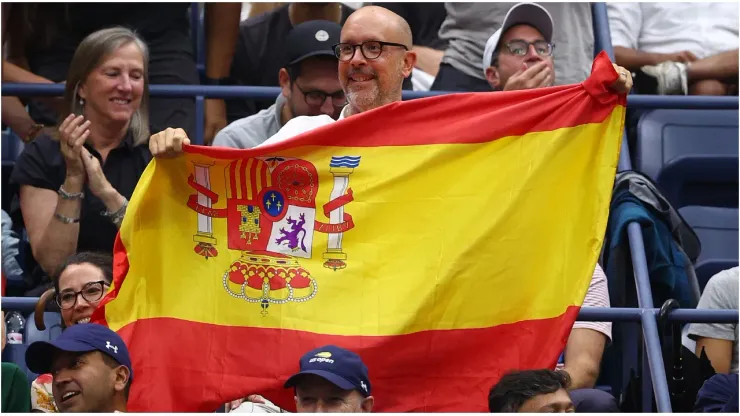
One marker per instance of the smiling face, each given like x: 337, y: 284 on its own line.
x: 85, y: 382
x: 114, y: 89
x: 76, y: 278
x: 371, y: 83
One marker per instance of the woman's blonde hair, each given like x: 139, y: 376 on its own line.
x: 88, y: 56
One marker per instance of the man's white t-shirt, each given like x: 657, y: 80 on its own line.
x: 300, y: 125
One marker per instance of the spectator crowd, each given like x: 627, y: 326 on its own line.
x: 84, y: 153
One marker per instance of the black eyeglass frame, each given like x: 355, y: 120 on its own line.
x: 362, y: 49
x: 323, y: 96
x: 58, y: 296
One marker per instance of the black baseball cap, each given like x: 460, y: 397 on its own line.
x: 78, y: 338
x: 341, y: 367
x: 312, y: 38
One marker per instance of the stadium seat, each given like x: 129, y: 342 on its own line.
x: 691, y: 154
x: 717, y: 229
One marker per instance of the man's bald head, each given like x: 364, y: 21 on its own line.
x: 381, y: 21
x: 372, y: 82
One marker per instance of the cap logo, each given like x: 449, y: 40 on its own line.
x: 322, y: 357
x: 111, y: 347
x: 363, y: 385
x: 322, y: 36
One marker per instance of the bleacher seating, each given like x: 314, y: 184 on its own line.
x: 691, y: 154
x: 717, y: 229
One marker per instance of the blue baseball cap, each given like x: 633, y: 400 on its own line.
x: 341, y: 367
x: 78, y: 338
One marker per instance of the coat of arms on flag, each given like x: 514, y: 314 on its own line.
x: 271, y: 220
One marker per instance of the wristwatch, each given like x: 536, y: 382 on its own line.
x: 32, y: 133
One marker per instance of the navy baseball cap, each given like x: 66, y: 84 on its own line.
x: 78, y: 338
x: 338, y: 366
x: 312, y: 38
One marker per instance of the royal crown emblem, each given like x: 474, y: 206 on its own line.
x: 271, y: 219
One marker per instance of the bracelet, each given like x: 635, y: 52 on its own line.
x: 66, y: 195
x: 117, y: 217
x: 65, y: 219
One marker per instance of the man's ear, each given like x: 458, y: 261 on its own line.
x: 492, y: 76
x: 367, y: 404
x: 409, y: 62
x: 285, y: 85
x: 122, y: 376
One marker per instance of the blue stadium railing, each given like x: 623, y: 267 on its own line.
x: 654, y: 377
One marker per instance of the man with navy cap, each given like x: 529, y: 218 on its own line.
x: 90, y: 366
x: 309, y: 84
x: 331, y: 380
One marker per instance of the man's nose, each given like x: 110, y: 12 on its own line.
x: 327, y: 107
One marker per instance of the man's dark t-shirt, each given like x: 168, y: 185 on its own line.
x: 425, y: 19
x: 259, y: 55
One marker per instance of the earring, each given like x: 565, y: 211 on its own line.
x: 82, y: 102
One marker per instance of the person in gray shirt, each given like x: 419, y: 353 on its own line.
x: 468, y: 26
x: 309, y: 85
x: 719, y: 340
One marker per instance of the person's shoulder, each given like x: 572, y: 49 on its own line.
x: 724, y: 281
x: 248, y: 131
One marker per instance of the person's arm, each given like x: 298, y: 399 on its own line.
x: 633, y: 59
x: 222, y: 31
x: 428, y: 59
x: 717, y: 339
x: 583, y: 357
x: 52, y: 241
x: 15, y: 116
x: 719, y: 352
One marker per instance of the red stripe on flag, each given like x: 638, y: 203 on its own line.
x: 396, y: 124
x: 432, y: 371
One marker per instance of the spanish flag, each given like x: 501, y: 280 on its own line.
x: 446, y: 240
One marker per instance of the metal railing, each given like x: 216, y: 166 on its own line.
x: 654, y: 377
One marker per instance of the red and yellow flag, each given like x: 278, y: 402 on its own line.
x: 446, y: 240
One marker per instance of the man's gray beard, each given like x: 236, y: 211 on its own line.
x: 364, y: 101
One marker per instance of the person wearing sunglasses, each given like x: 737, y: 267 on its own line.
x: 80, y: 285
x: 519, y: 55
x: 308, y: 83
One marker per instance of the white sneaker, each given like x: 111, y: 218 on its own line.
x: 671, y: 77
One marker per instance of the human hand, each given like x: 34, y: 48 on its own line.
x: 682, y: 56
x: 168, y: 143
x: 96, y: 180
x: 73, y: 132
x: 623, y: 84
x: 527, y: 77
x: 215, y: 110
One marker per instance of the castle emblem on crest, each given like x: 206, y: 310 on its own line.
x: 271, y: 219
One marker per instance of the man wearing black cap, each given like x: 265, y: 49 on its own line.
x: 90, y: 366
x: 309, y: 84
x: 331, y: 380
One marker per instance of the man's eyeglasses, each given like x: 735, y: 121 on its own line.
x: 520, y: 47
x: 370, y: 49
x: 91, y: 292
x: 316, y: 98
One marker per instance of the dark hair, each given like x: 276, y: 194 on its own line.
x: 494, y: 59
x: 516, y: 387
x: 294, y: 71
x: 110, y: 362
x: 102, y: 261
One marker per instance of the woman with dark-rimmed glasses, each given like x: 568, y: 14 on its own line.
x: 80, y: 284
